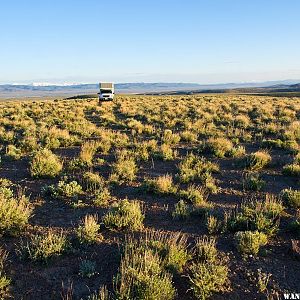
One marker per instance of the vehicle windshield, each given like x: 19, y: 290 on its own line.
x: 106, y: 91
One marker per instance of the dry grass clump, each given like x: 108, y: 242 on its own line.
x: 102, y: 294
x: 45, y: 164
x: 88, y: 151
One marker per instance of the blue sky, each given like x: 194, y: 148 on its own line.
x: 205, y: 41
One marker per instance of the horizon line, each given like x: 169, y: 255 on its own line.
x: 51, y: 83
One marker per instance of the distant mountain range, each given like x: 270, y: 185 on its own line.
x: 278, y: 89
x: 44, y: 89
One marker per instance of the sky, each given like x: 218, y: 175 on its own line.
x: 201, y: 41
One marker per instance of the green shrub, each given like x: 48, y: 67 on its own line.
x: 124, y: 169
x: 253, y: 182
x: 161, y: 185
x: 269, y: 143
x: 188, y: 136
x: 64, y: 190
x: 213, y: 224
x: 220, y: 147
x: 145, y: 149
x: 92, y: 181
x: 4, y: 280
x: 193, y: 167
x: 205, y: 249
x: 165, y: 152
x: 297, y: 159
x: 291, y: 145
x: 28, y: 144
x: 241, y: 121
x: 170, y: 138
x: 292, y: 170
x: 238, y: 151
x: 258, y: 215
x: 135, y: 125
x: 142, y: 152
x: 87, y: 268
x: 101, y: 197
x: 76, y: 165
x: 196, y: 195
x: 88, y: 230
x: 45, y: 164
x: 171, y: 248
x: 249, y: 242
x: 294, y: 226
x: 141, y: 276
x: 207, y: 278
x: 54, y: 137
x: 257, y: 160
x: 124, y: 215
x: 291, y: 197
x: 14, y: 213
x: 102, y: 294
x: 12, y: 152
x: 209, y: 183
x: 176, y: 258
x: 262, y: 280
x: 181, y: 211
x: 208, y: 273
x: 43, y: 247
x: 6, y: 188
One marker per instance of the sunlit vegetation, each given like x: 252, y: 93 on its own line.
x: 150, y: 197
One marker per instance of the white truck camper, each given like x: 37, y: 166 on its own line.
x: 107, y: 91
